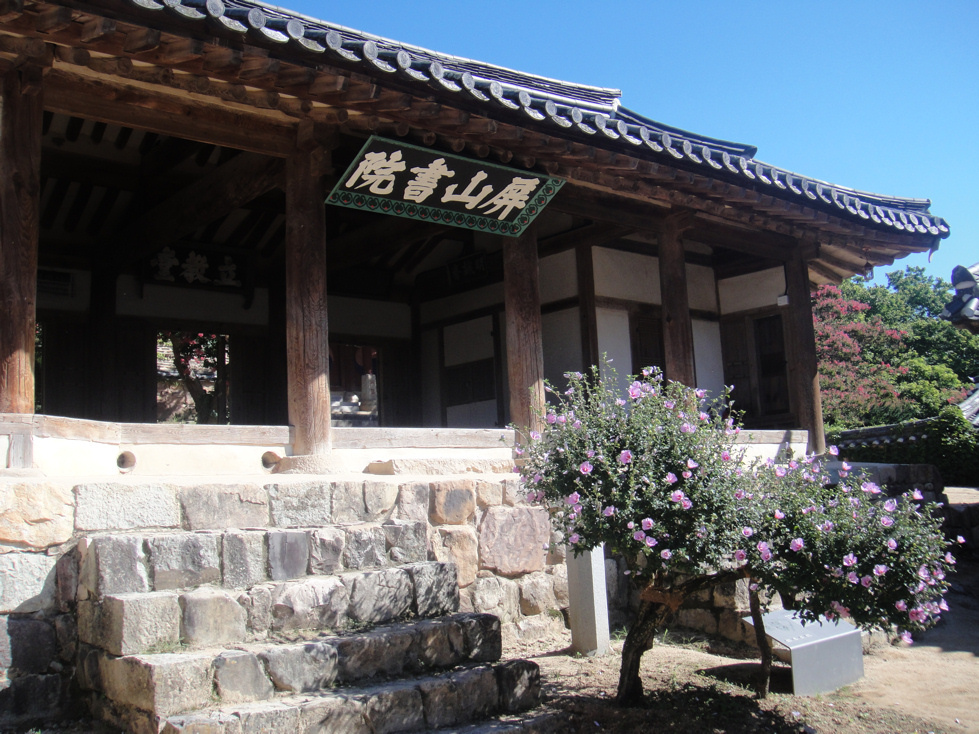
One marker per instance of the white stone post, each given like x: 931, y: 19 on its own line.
x: 588, y: 602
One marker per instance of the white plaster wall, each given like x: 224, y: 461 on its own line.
x: 701, y: 291
x: 614, y: 341
x: 561, y: 335
x: 558, y: 277
x: 472, y: 415
x: 626, y: 275
x: 707, y: 356
x: 469, y: 341
x: 442, y: 308
x: 430, y: 382
x: 369, y: 318
x: 188, y: 303
x: 754, y: 290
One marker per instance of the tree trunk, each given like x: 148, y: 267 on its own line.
x: 765, y: 675
x: 637, y: 642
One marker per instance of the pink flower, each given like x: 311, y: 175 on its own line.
x: 779, y: 471
x: 880, y: 569
x: 906, y: 638
x: 833, y: 451
x: 686, y: 428
x: 631, y: 525
x: 573, y: 498
x: 849, y: 560
x: 534, y: 436
x: 890, y: 505
x: 797, y: 544
x: 639, y: 535
x: 725, y: 455
x: 739, y: 494
x: 574, y: 538
x: 576, y: 424
x: 870, y: 488
x: 887, y: 521
x: 747, y: 531
x: 766, y: 555
x: 677, y: 496
x: 671, y: 478
x: 669, y: 404
x: 866, y: 581
x: 666, y: 554
x: 687, y: 474
x: 635, y: 390
x: 779, y: 515
x: 691, y: 464
x: 609, y: 511
x: 625, y: 457
x: 651, y: 541
x: 959, y: 539
x: 846, y: 467
x: 853, y: 578
x: 562, y: 420
x: 577, y: 509
x: 585, y: 467
x: 647, y: 523
x: 703, y: 416
x: 686, y: 504
x: 619, y: 401
x: 891, y: 544
x: 740, y: 555
x: 551, y: 419
x: 700, y: 393
x: 916, y: 495
x: 950, y: 559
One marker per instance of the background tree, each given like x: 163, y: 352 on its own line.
x: 197, y: 353
x: 884, y: 356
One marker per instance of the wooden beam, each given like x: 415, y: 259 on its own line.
x: 801, y: 343
x: 20, y: 167
x: 167, y: 115
x: 307, y: 333
x: 594, y: 234
x: 585, y: 266
x: 677, y: 324
x: 378, y: 237
x: 242, y: 179
x: 524, y: 340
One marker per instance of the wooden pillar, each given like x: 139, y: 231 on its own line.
x: 584, y: 259
x: 802, y: 367
x: 677, y: 327
x: 307, y: 343
x: 20, y: 166
x: 524, y: 343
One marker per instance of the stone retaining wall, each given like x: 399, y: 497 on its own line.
x: 173, y: 534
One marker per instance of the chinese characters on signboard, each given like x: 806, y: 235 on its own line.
x: 407, y: 181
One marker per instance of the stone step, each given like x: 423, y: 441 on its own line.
x: 209, y: 616
x: 163, y: 684
x: 546, y: 723
x: 239, y: 559
x: 423, y: 703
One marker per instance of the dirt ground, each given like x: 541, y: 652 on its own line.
x: 695, y: 684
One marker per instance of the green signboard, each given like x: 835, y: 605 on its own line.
x: 393, y: 177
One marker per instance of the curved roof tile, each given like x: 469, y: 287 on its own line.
x: 571, y: 109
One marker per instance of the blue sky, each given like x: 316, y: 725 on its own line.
x: 879, y: 96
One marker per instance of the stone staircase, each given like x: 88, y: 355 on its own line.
x: 322, y: 627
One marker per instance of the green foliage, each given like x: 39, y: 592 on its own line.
x: 884, y: 357
x: 657, y: 476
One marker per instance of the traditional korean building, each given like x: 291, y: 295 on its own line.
x: 165, y: 167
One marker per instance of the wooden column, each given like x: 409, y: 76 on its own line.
x: 677, y: 327
x: 801, y: 342
x: 307, y: 344
x: 524, y: 344
x: 20, y: 166
x: 584, y: 259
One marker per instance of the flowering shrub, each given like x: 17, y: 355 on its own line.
x: 657, y: 477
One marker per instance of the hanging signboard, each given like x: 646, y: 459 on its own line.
x: 393, y: 177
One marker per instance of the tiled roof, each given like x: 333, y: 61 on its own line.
x: 563, y: 109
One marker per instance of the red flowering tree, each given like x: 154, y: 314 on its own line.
x: 655, y: 475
